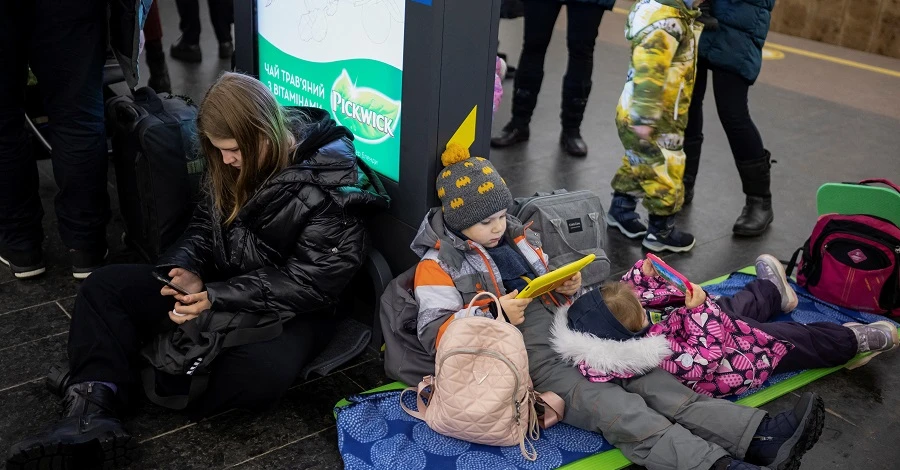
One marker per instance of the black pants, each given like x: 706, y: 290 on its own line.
x: 66, y: 49
x: 119, y: 308
x: 820, y: 344
x: 730, y: 91
x: 581, y: 35
x: 221, y: 13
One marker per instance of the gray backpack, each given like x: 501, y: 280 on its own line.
x: 571, y: 225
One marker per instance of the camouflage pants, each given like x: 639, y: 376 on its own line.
x: 652, y: 170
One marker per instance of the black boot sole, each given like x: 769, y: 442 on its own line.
x: 110, y: 450
x: 810, y: 429
x: 500, y: 143
x: 741, y: 232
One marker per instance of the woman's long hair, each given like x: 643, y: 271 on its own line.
x: 240, y: 107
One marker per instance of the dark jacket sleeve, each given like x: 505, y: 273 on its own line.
x: 193, y: 251
x: 326, y: 251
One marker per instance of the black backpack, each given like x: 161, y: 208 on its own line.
x: 158, y: 170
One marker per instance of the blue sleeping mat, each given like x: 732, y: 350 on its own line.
x: 375, y: 433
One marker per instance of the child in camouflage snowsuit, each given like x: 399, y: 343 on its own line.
x: 651, y: 118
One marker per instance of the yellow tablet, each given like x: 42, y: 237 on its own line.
x: 546, y: 283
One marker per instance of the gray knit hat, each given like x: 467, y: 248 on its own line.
x: 470, y: 189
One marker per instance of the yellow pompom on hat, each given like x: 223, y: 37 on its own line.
x: 470, y: 189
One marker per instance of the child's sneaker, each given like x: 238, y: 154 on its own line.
x: 622, y: 216
x: 781, y: 440
x: 662, y: 235
x: 710, y: 23
x: 770, y: 269
x: 875, y: 337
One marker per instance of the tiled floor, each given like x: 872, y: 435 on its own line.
x: 823, y: 121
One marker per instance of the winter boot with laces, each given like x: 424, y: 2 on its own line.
x: 89, y: 435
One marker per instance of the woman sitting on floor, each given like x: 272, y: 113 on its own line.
x: 280, y: 233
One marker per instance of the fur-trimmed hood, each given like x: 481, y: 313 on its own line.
x: 621, y: 359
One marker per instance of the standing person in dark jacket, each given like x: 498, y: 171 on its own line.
x: 733, y: 53
x: 583, y: 20
x: 281, y: 231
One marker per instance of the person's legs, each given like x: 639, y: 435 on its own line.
x: 189, y: 15
x: 759, y: 300
x: 68, y: 51
x: 657, y: 173
x: 255, y: 376
x: 693, y: 134
x: 627, y: 187
x: 21, y: 234
x: 118, y: 308
x: 540, y: 16
x: 221, y: 14
x: 751, y: 158
x: 717, y: 421
x: 187, y: 48
x: 819, y: 344
x: 156, y: 57
x: 581, y: 36
x: 645, y: 436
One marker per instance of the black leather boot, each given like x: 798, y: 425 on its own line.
x: 572, y: 143
x: 512, y: 134
x: 89, y: 434
x: 574, y: 102
x: 757, y: 213
x: 516, y: 131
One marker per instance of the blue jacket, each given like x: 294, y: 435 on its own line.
x: 737, y: 45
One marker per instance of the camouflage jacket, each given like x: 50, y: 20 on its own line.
x: 660, y: 80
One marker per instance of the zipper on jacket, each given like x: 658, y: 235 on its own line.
x: 495, y: 355
x: 677, y: 100
x: 487, y: 264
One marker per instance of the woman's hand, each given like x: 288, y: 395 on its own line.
x: 695, y: 300
x: 185, y: 279
x: 571, y: 286
x: 190, y: 307
x: 514, y: 308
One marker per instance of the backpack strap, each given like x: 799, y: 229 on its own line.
x: 793, y: 262
x: 554, y: 409
x: 423, y: 392
x: 883, y: 181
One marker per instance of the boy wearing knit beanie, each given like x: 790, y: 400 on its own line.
x: 470, y: 245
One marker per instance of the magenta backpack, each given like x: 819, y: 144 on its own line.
x: 852, y: 260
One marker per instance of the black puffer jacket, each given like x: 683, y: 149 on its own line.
x: 298, y: 241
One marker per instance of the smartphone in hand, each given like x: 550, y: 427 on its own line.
x: 165, y: 280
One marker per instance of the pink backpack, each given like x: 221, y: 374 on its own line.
x: 481, y: 391
x: 852, y: 261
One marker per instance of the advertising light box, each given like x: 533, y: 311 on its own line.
x: 344, y: 56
